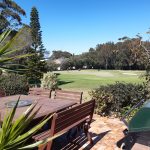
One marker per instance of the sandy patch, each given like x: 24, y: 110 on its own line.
x: 99, y: 73
x: 132, y: 74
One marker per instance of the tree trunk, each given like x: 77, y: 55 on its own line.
x: 106, y: 64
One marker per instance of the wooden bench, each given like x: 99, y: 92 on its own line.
x: 40, y: 92
x: 69, y: 95
x: 66, y: 120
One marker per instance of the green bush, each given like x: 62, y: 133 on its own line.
x: 14, y: 84
x: 118, y: 98
x: 49, y: 81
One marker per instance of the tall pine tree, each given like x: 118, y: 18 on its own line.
x: 36, y: 33
x: 36, y: 63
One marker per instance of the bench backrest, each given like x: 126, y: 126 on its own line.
x: 40, y: 92
x: 69, y: 95
x: 68, y: 119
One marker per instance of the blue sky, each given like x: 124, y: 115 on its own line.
x: 77, y: 25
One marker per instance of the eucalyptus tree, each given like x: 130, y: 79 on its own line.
x: 10, y: 14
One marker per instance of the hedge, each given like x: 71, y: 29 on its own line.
x: 118, y: 98
x: 14, y: 84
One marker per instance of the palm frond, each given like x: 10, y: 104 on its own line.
x: 6, y: 59
x: 5, y: 51
x: 4, y: 35
x: 42, y: 142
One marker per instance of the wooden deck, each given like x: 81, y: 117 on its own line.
x: 48, y: 106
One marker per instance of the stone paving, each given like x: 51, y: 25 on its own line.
x: 107, y: 132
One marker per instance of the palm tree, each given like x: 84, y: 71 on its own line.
x: 10, y: 13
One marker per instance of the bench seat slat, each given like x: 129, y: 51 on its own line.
x: 42, y: 135
x: 68, y: 123
x: 76, y: 108
x: 73, y: 115
x: 68, y: 95
x: 71, y: 92
x: 40, y: 92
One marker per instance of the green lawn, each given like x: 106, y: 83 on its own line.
x: 85, y: 80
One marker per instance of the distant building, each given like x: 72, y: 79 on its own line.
x: 84, y: 67
x: 58, y: 68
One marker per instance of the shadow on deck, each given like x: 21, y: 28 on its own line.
x: 80, y: 142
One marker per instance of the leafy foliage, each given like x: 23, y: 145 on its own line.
x: 115, y: 99
x: 49, y: 81
x: 60, y: 54
x: 36, y: 68
x: 10, y: 13
x: 51, y: 66
x: 14, y: 84
x: 126, y: 54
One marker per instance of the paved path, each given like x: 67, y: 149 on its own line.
x: 107, y: 132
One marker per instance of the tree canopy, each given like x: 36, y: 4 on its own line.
x: 126, y: 54
x: 10, y: 14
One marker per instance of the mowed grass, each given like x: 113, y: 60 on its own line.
x: 86, y: 80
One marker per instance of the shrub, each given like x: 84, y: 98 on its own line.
x: 49, y: 81
x: 117, y: 98
x: 14, y: 84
